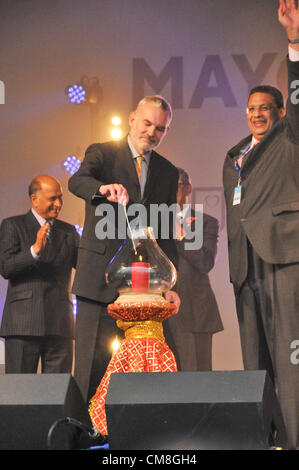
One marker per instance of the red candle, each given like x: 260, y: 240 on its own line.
x: 140, y: 276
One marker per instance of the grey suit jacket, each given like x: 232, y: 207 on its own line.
x: 37, y: 301
x: 199, y: 311
x: 268, y: 215
x: 108, y: 163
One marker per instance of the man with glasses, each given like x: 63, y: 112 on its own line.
x: 261, y: 183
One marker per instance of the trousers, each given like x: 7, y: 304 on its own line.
x: 268, y: 314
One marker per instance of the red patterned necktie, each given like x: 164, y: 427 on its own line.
x: 139, y: 161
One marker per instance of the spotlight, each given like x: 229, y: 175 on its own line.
x: 72, y: 164
x: 74, y: 306
x: 116, y: 132
x: 116, y: 121
x: 79, y: 229
x: 87, y: 91
x: 76, y: 93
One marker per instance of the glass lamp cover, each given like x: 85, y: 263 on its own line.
x: 141, y: 266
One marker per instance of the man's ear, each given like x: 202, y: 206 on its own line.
x: 33, y: 199
x: 281, y: 112
x: 132, y: 116
x: 189, y: 190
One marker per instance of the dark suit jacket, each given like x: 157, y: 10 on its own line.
x: 198, y: 312
x: 268, y: 215
x: 37, y: 301
x: 109, y: 163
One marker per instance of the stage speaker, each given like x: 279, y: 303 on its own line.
x: 31, y: 404
x: 193, y: 410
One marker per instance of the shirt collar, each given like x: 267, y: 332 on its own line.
x: 135, y: 153
x: 183, y: 212
x: 38, y: 217
x: 254, y: 141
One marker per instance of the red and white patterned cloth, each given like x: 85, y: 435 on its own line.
x: 142, y: 350
x: 133, y: 355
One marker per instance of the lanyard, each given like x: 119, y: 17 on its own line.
x: 238, y: 168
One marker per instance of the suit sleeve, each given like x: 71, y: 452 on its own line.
x: 14, y: 260
x: 86, y: 181
x: 203, y: 260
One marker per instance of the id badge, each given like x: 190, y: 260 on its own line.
x: 237, y: 195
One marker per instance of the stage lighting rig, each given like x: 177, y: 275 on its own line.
x: 76, y: 93
x: 116, y: 132
x: 87, y: 91
x: 72, y: 164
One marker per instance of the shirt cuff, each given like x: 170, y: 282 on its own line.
x: 35, y: 256
x: 293, y: 55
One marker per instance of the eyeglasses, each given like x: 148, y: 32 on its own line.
x: 262, y: 108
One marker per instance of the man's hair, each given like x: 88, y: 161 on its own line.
x: 34, y: 186
x: 184, y: 176
x: 158, y: 101
x: 37, y: 182
x: 270, y: 90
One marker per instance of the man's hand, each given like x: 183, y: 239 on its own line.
x: 41, y: 239
x: 288, y: 16
x: 172, y: 297
x: 115, y: 193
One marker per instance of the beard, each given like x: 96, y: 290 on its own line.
x: 142, y: 141
x: 145, y: 142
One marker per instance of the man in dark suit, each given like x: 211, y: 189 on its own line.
x: 37, y: 254
x: 261, y: 182
x: 109, y: 173
x: 191, y: 331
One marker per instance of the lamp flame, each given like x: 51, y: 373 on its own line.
x: 115, y: 344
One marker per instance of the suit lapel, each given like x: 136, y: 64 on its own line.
x: 32, y: 227
x: 57, y: 235
x: 128, y: 172
x: 152, y: 176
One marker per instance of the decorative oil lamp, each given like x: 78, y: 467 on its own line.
x: 141, y: 273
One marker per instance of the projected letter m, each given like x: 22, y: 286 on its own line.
x: 173, y: 72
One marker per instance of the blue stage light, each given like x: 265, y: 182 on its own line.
x: 72, y: 164
x: 76, y: 93
x: 86, y: 91
x: 74, y: 306
x: 79, y: 229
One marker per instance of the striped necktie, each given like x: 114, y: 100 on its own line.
x: 244, y: 152
x: 49, y: 232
